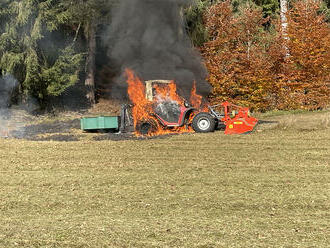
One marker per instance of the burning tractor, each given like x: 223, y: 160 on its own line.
x: 169, y: 114
x: 158, y: 109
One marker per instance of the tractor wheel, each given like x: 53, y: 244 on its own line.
x: 203, y: 123
x: 146, y: 127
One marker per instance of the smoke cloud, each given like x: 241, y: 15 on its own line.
x: 148, y: 36
x: 7, y: 85
x: 8, y: 125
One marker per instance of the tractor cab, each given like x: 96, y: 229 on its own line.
x: 150, y: 87
x: 169, y: 112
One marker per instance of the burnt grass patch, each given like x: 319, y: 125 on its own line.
x: 50, y: 131
x: 69, y: 130
x: 52, y: 127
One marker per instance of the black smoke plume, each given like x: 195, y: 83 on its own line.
x: 148, y: 36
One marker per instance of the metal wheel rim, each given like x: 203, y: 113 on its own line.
x: 203, y: 124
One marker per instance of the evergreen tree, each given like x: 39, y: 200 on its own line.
x: 35, y: 49
x: 194, y: 15
x: 269, y: 7
x: 87, y: 15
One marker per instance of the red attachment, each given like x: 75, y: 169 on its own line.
x: 240, y: 122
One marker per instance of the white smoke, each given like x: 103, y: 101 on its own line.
x: 8, y: 125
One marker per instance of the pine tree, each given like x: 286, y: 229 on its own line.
x: 35, y: 50
x: 269, y: 7
x: 88, y: 15
x: 194, y: 16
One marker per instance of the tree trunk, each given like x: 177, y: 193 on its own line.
x: 181, y: 24
x: 284, y: 25
x: 90, y: 62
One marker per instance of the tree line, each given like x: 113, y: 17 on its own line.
x: 51, y: 45
x: 266, y: 62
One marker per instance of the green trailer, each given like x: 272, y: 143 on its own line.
x: 103, y: 123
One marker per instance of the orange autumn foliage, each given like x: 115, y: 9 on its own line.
x: 235, y: 56
x: 247, y: 65
x: 307, y: 71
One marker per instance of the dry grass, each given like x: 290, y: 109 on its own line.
x: 107, y: 107
x: 267, y: 189
x: 301, y: 121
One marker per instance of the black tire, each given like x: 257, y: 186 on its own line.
x: 146, y: 127
x: 216, y: 124
x: 203, y: 123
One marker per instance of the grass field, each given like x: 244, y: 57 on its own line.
x: 267, y: 189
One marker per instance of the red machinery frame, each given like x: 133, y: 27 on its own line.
x: 241, y: 121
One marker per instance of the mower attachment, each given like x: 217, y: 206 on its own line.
x: 240, y: 125
x: 236, y: 118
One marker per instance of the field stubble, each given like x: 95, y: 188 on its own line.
x: 267, y: 189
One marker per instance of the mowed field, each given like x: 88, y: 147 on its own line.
x: 270, y: 188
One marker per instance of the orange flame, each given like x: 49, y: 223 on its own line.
x: 197, y: 100
x: 136, y: 91
x: 143, y: 108
x: 168, y: 92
